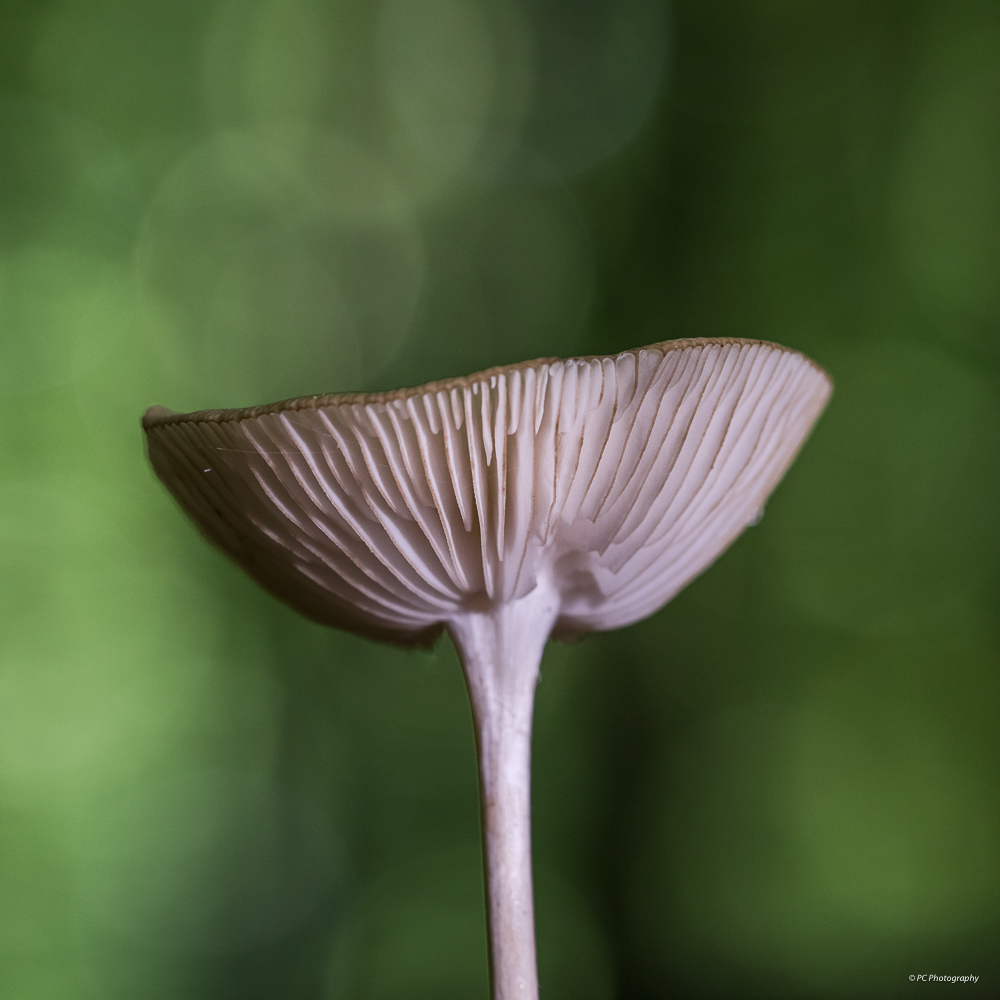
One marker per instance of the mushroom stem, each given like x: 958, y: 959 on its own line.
x: 501, y: 650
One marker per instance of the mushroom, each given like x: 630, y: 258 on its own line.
x: 549, y: 498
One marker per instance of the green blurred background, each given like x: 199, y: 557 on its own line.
x: 785, y: 784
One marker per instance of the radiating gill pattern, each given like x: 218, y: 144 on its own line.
x: 620, y: 478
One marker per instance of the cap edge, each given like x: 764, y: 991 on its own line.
x: 158, y: 416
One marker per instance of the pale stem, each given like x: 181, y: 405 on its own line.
x: 500, y: 652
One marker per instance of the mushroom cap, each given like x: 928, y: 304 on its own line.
x: 615, y: 480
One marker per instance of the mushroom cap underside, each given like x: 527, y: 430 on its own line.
x: 616, y: 479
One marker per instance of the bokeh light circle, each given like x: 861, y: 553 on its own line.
x: 458, y: 75
x: 287, y: 261
x: 510, y: 275
x: 600, y: 70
